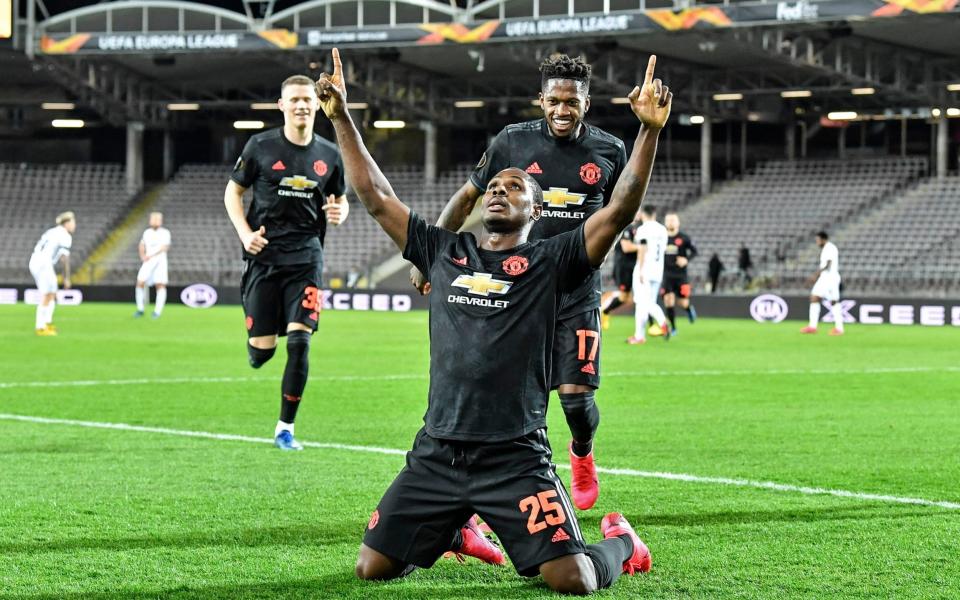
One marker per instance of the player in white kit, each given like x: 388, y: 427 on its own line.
x: 827, y: 286
x: 54, y: 246
x: 153, y: 252
x: 651, y: 245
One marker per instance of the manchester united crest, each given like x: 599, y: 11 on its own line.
x: 590, y: 173
x: 515, y: 265
x: 320, y: 168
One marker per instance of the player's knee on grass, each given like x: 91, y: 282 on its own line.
x: 373, y: 565
x: 572, y: 574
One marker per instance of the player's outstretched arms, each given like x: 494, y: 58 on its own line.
x: 365, y: 177
x: 651, y: 104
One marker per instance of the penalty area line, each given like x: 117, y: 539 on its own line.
x: 684, y: 477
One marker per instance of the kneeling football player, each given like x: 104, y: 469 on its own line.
x: 483, y: 448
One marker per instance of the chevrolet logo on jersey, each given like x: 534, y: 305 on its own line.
x: 299, y: 182
x: 482, y: 284
x: 561, y: 198
x: 301, y: 187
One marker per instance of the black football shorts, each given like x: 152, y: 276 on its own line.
x: 275, y: 295
x: 623, y: 276
x: 512, y: 485
x: 576, y: 350
x: 675, y: 284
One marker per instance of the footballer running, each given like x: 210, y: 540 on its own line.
x: 296, y: 177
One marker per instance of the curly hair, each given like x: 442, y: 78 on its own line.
x: 561, y: 66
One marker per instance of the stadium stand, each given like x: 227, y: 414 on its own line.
x: 205, y: 246
x: 907, y: 245
x: 784, y: 203
x: 32, y: 195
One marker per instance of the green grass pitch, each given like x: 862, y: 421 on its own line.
x: 91, y: 513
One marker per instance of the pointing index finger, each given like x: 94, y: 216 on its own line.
x: 337, y: 65
x: 651, y: 65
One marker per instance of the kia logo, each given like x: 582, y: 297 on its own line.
x: 768, y: 307
x: 199, y: 295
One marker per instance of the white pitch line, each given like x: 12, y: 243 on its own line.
x: 424, y: 376
x: 174, y: 380
x: 745, y: 483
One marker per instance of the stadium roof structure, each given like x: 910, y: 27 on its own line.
x: 415, y: 59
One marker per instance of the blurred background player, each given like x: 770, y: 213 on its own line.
x: 466, y: 458
x: 153, y: 252
x: 650, y: 243
x: 678, y: 254
x: 54, y: 246
x: 714, y: 268
x: 623, y: 262
x: 293, y: 172
x: 827, y: 286
x: 577, y: 165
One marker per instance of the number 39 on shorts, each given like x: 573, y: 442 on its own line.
x: 552, y: 512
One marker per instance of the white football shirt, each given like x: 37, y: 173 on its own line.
x: 654, y: 236
x: 54, y: 243
x: 154, y: 239
x: 829, y: 253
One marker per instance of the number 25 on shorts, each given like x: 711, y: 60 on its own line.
x: 552, y: 511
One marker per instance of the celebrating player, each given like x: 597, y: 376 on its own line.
x: 577, y: 166
x: 54, y: 246
x: 679, y: 252
x: 494, y: 306
x: 650, y: 242
x: 623, y: 263
x: 827, y: 286
x: 293, y: 171
x: 153, y: 252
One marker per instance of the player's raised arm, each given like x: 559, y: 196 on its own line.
x: 364, y: 175
x: 651, y: 104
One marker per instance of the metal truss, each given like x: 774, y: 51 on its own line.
x: 116, y: 93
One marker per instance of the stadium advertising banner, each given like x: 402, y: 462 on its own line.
x: 202, y: 295
x: 771, y: 308
x: 701, y: 17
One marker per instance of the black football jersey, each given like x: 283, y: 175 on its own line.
x: 290, y: 185
x: 577, y: 177
x: 621, y: 258
x: 492, y: 318
x: 678, y: 244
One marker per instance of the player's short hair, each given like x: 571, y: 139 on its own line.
x: 156, y: 212
x: 296, y: 80
x: 671, y: 212
x: 823, y: 235
x: 561, y: 66
x: 65, y: 216
x: 649, y: 210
